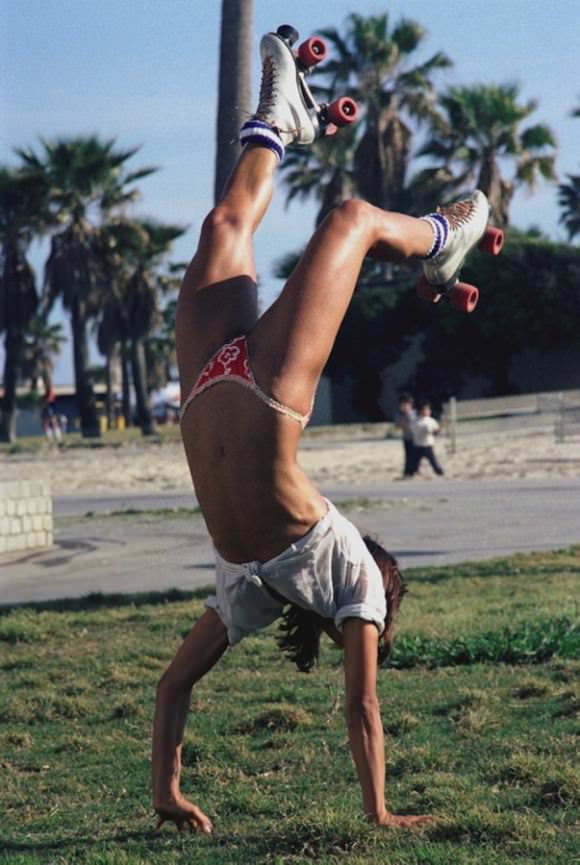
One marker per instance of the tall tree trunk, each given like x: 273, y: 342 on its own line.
x: 144, y: 413
x: 499, y: 192
x: 13, y: 348
x: 126, y: 383
x: 109, y: 395
x: 84, y: 389
x: 234, y: 87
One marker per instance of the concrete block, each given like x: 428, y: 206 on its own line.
x: 3, y: 543
x: 10, y: 507
x: 26, y: 523
x: 21, y: 506
x: 37, y: 523
x: 2, y: 505
x: 33, y: 540
x: 19, y: 542
x: 15, y: 526
x: 47, y: 523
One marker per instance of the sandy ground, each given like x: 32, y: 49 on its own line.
x: 347, y: 455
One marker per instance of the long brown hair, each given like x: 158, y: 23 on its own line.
x: 301, y: 629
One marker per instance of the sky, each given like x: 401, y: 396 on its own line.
x: 145, y: 72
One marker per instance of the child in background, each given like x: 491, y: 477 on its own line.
x: 424, y: 429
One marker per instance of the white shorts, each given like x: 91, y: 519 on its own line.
x: 329, y: 571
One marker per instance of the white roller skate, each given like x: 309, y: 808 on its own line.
x: 457, y: 228
x: 286, y: 104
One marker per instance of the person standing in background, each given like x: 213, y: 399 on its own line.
x: 424, y: 428
x: 404, y: 418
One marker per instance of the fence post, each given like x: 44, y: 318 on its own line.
x: 453, y: 423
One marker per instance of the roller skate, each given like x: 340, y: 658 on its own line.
x: 457, y: 229
x: 286, y: 103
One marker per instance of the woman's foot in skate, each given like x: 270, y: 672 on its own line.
x: 284, y: 114
x: 456, y: 229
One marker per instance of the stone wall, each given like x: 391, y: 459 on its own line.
x: 25, y: 516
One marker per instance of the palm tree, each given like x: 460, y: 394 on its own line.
x: 44, y: 341
x: 160, y: 349
x: 323, y: 171
x: 22, y: 215
x: 131, y: 312
x: 569, y: 198
x: 87, y: 178
x: 373, y: 63
x: 234, y: 88
x: 480, y: 126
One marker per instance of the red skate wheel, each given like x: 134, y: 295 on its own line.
x: 342, y: 111
x: 492, y: 241
x: 312, y: 51
x: 464, y: 297
x: 427, y: 292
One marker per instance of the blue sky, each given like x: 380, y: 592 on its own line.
x: 145, y: 72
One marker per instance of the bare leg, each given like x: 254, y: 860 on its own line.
x: 294, y: 338
x: 218, y: 297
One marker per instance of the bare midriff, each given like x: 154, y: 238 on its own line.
x: 255, y: 498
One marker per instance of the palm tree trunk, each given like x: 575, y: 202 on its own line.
x: 144, y: 413
x: 234, y: 88
x: 109, y: 396
x: 84, y: 390
x: 13, y: 348
x: 497, y: 190
x: 126, y: 383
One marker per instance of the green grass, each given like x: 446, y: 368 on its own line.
x: 488, y: 747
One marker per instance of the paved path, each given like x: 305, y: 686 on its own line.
x: 422, y: 522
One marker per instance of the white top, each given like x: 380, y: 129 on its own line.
x: 424, y: 430
x: 329, y: 571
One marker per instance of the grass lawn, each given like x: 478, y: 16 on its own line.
x: 480, y: 714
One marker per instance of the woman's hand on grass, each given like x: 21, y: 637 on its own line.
x: 185, y: 815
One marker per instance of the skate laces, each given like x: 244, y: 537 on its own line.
x: 457, y: 214
x: 268, y: 87
x: 269, y: 96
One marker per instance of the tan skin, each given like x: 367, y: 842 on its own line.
x: 242, y: 455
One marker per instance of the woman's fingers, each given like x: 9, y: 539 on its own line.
x: 400, y: 821
x: 193, y: 822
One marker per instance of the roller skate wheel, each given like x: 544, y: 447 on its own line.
x: 427, y: 292
x: 464, y: 297
x: 312, y: 51
x: 288, y: 33
x: 342, y: 111
x: 492, y: 241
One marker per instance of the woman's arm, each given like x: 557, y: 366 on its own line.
x: 201, y: 649
x: 363, y: 716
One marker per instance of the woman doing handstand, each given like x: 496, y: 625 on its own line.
x: 249, y: 384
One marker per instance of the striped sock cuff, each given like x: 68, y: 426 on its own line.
x: 263, y: 135
x: 440, y: 226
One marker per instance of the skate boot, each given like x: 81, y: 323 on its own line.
x: 287, y: 111
x: 457, y: 228
x: 283, y: 116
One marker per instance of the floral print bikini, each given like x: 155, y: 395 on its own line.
x: 231, y: 363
